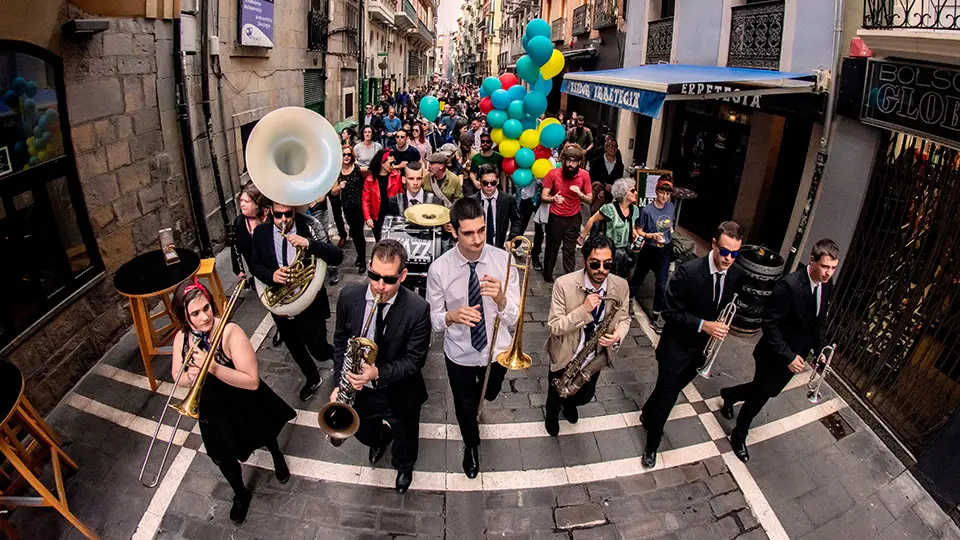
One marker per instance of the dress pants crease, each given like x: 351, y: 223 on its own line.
x: 306, y: 338
x: 562, y: 233
x: 372, y: 406
x: 466, y: 383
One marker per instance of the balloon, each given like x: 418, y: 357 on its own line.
x: 508, y: 81
x: 546, y: 122
x: 542, y: 152
x: 11, y: 99
x: 429, y: 108
x: 554, y: 65
x: 20, y: 147
x: 527, y: 70
x: 500, y: 99
x: 508, y: 147
x: 483, y: 93
x: 534, y: 104
x: 515, y: 110
x: 34, y: 160
x: 19, y: 85
x: 538, y: 27
x: 29, y: 106
x: 516, y: 92
x: 544, y: 86
x: 524, y: 158
x: 52, y: 114
x: 30, y: 89
x: 496, y: 118
x: 512, y: 129
x: 529, y: 138
x: 540, y: 50
x: 37, y: 131
x: 485, y: 105
x: 42, y: 155
x: 496, y: 134
x: 552, y: 136
x: 508, y: 165
x: 541, y: 167
x: 491, y: 84
x: 529, y: 122
x: 522, y: 178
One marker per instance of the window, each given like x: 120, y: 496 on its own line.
x: 667, y: 8
x: 45, y: 233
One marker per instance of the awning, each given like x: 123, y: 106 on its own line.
x: 577, y: 54
x: 644, y: 89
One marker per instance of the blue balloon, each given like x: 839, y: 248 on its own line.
x: 43, y: 140
x: 516, y: 92
x: 544, y: 86
x: 515, y: 109
x: 37, y: 131
x: 534, y: 104
x: 529, y: 122
x: 52, y: 114
x: 44, y: 122
x: 19, y: 85
x: 512, y: 129
x: 540, y: 50
x: 33, y: 161
x: 29, y: 106
x: 538, y: 27
x: 30, y: 89
x: 11, y: 99
x: 491, y: 84
x: 483, y: 93
x: 500, y: 99
x: 496, y: 118
x: 20, y: 147
x: 524, y: 158
x: 429, y: 107
x: 527, y: 70
x: 524, y: 40
x: 522, y: 177
x: 552, y: 135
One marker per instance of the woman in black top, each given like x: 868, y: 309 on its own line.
x: 351, y: 197
x: 253, y: 212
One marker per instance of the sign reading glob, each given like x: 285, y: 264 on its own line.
x: 256, y: 23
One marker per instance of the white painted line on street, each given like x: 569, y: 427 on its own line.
x: 713, y: 427
x: 261, y: 332
x: 755, y: 498
x: 151, y: 519
x: 798, y: 380
x: 794, y: 421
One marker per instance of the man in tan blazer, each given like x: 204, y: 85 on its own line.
x: 575, y: 312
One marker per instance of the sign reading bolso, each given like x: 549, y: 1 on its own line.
x: 631, y: 99
x: 921, y: 99
x: 256, y: 23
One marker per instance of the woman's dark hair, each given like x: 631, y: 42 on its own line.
x: 364, y: 130
x: 376, y: 162
x: 465, y: 208
x: 181, y: 300
x: 595, y: 242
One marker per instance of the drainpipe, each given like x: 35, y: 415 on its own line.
x: 207, y: 120
x: 362, y: 68
x: 823, y: 152
x: 186, y: 141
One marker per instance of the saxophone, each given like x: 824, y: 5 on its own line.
x: 338, y: 419
x: 582, y: 367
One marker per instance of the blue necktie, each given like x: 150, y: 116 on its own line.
x: 478, y: 334
x: 589, y: 329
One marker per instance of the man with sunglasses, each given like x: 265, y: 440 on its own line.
x: 403, y: 151
x: 401, y: 329
x: 577, y: 308
x: 499, y: 209
x: 486, y: 156
x: 794, y: 324
x: 696, y: 294
x: 274, y: 249
x: 466, y: 292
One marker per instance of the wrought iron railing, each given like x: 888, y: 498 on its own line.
x: 756, y: 32
x: 581, y: 20
x: 556, y: 29
x: 928, y: 14
x: 605, y: 13
x: 659, y: 40
x: 317, y: 30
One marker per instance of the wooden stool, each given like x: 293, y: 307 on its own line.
x: 208, y: 270
x: 28, y: 443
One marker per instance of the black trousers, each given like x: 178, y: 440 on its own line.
x: 466, y: 382
x: 561, y: 231
x: 372, y: 406
x: 378, y: 225
x: 527, y: 210
x: 337, y: 210
x: 355, y: 220
x: 664, y: 397
x: 582, y: 397
x: 753, y: 398
x: 306, y: 338
x: 657, y: 259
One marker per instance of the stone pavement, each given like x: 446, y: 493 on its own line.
x: 585, y: 484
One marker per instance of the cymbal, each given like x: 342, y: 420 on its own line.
x: 427, y: 215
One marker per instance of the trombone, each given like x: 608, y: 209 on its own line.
x: 513, y: 358
x: 820, y: 368
x: 712, y: 348
x: 190, y: 406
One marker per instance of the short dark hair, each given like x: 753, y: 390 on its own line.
x: 729, y: 228
x: 389, y: 249
x: 400, y: 130
x: 823, y: 247
x: 595, y: 242
x: 465, y: 208
x: 486, y: 168
x: 181, y: 300
x: 413, y: 165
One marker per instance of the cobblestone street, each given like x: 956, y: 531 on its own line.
x: 802, y: 481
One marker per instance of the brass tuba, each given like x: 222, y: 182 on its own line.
x: 583, y: 367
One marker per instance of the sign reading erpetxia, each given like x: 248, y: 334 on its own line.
x: 256, y: 23
x: 631, y: 99
x: 921, y: 99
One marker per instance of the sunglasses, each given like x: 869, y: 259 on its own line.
x: 596, y: 265
x: 724, y: 252
x: 490, y: 184
x: 389, y: 280
x: 280, y: 215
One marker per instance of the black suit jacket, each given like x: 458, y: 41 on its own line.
x: 791, y: 328
x: 400, y: 359
x: 264, y: 261
x: 689, y: 300
x: 398, y: 203
x: 598, y: 171
x: 507, y: 215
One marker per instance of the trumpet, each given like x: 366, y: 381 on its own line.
x: 513, y: 358
x: 712, y: 348
x: 190, y: 406
x: 819, y: 370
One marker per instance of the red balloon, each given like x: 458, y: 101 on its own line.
x: 542, y: 152
x: 485, y: 105
x: 508, y: 79
x: 509, y: 165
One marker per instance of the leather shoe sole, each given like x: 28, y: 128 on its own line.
x: 740, y: 449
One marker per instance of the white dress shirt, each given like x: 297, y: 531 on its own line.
x: 815, y: 289
x: 418, y: 197
x: 716, y: 274
x: 447, y: 290
x: 602, y: 291
x: 372, y: 331
x: 280, y: 243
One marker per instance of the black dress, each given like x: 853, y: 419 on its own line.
x: 233, y: 421
x: 242, y: 245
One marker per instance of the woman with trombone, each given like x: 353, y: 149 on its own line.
x: 238, y: 412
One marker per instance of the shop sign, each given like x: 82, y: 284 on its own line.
x: 631, y: 99
x: 922, y: 99
x: 256, y: 23
x: 703, y: 89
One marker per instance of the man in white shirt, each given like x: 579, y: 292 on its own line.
x: 466, y: 292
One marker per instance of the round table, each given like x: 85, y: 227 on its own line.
x: 149, y: 276
x: 681, y: 194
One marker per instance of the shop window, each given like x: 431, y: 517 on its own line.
x: 45, y: 233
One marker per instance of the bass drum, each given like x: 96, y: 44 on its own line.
x: 423, y: 246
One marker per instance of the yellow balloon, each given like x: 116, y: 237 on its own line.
x: 42, y: 155
x: 509, y: 147
x: 554, y: 65
x: 541, y: 167
x: 546, y: 122
x: 442, y: 106
x: 496, y: 135
x: 530, y: 138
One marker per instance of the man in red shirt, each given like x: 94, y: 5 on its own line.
x: 564, y: 188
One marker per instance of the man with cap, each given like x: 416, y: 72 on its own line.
x: 443, y: 183
x: 565, y: 188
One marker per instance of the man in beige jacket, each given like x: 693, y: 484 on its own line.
x: 577, y: 308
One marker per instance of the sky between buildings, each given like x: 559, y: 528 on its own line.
x: 447, y: 14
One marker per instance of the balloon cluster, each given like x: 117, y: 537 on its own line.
x: 38, y: 143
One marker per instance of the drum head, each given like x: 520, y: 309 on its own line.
x: 428, y: 215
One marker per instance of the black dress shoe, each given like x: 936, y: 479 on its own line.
x: 281, y: 470
x: 310, y: 388
x: 403, y: 481
x: 552, y: 423
x: 376, y: 452
x: 276, y: 339
x: 649, y: 459
x: 571, y: 414
x: 726, y: 410
x: 471, y: 462
x: 740, y: 448
x: 537, y: 265
x: 241, y: 503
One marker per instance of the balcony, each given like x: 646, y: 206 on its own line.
x: 406, y: 16
x: 908, y: 28
x: 556, y: 30
x: 317, y: 31
x: 659, y: 41
x: 581, y: 20
x: 381, y: 10
x: 756, y: 31
x: 422, y: 36
x: 605, y: 13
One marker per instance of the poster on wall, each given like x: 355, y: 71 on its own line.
x: 256, y: 23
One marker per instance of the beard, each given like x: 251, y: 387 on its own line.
x: 570, y: 172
